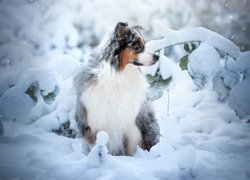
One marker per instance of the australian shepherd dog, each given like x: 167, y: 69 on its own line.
x: 111, y: 95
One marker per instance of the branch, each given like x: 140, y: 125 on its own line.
x: 195, y: 34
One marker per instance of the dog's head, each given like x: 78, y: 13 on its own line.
x: 131, y: 47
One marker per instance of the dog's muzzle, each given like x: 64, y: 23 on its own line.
x: 146, y: 59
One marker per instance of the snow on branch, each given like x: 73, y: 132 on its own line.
x: 193, y: 34
x: 230, y: 82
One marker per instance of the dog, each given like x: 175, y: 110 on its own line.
x: 111, y: 95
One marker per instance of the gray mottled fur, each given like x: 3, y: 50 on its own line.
x: 81, y: 116
x: 84, y: 77
x: 148, y: 126
x: 86, y: 74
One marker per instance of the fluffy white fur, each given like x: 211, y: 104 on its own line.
x: 146, y: 59
x: 114, y: 101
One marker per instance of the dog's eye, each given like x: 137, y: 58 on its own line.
x: 136, y: 46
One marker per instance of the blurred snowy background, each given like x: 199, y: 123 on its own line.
x: 201, y: 95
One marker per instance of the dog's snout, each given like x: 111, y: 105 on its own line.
x: 156, y: 57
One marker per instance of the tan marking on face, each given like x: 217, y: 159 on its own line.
x: 128, y: 55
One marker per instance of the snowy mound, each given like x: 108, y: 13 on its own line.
x: 203, y: 64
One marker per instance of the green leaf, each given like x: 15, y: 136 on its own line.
x: 32, y: 91
x: 65, y: 130
x: 184, y: 62
x: 150, y: 78
x: 186, y: 48
x: 193, y: 47
x: 189, y: 47
x: 157, y: 84
x: 51, y: 96
x: 164, y: 82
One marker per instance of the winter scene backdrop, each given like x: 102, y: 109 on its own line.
x: 200, y: 88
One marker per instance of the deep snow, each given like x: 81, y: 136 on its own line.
x: 201, y: 135
x: 201, y: 139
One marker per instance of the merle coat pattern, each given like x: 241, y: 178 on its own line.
x: 89, y: 76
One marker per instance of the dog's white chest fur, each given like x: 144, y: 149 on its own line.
x: 113, y: 103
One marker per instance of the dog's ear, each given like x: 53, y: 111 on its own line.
x: 121, y: 29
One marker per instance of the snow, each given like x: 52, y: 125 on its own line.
x: 1, y: 126
x: 243, y: 64
x: 193, y: 34
x: 224, y: 81
x: 240, y: 99
x: 99, y: 152
x: 166, y: 66
x: 201, y: 137
x: 203, y: 63
x: 102, y: 138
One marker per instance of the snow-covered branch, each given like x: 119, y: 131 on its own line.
x: 193, y: 34
x: 230, y: 82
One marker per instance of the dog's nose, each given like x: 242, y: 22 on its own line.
x: 156, y: 57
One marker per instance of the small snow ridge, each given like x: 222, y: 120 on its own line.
x: 102, y: 138
x: 99, y: 152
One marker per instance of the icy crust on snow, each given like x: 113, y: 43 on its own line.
x: 200, y: 34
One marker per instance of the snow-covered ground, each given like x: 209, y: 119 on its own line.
x: 203, y: 112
